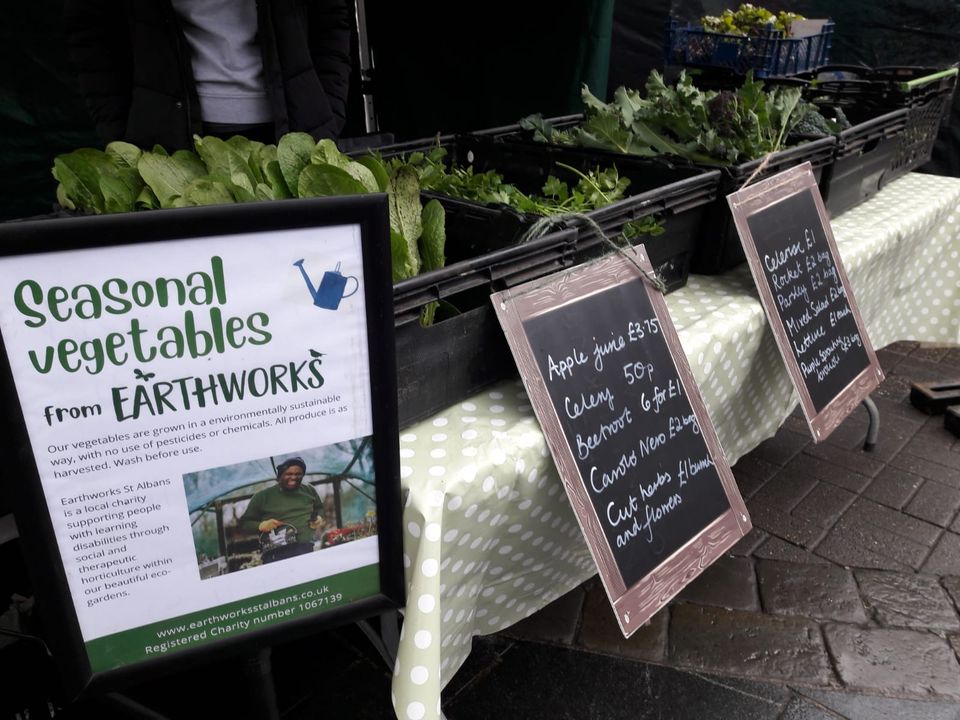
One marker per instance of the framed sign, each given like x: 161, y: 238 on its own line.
x: 627, y: 428
x: 204, y: 404
x: 804, y: 289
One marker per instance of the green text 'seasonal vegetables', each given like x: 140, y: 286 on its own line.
x: 706, y: 126
x: 124, y: 178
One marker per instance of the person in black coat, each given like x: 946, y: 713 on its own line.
x: 160, y: 71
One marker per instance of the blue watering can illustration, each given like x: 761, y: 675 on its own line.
x: 332, y: 286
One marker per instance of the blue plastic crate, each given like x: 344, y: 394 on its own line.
x: 768, y: 55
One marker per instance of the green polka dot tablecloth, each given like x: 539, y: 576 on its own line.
x: 489, y: 536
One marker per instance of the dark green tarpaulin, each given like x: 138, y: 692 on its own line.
x: 443, y: 70
x: 41, y: 114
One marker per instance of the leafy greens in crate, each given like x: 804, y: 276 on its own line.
x: 124, y: 178
x: 749, y: 19
x: 724, y: 127
x: 593, y: 189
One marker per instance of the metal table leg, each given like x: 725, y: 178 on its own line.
x: 873, y: 430
x: 387, y: 640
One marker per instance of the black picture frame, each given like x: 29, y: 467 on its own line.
x: 54, y: 600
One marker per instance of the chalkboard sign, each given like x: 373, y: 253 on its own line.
x: 793, y: 257
x: 627, y: 428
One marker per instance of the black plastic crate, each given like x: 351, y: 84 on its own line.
x: 926, y: 93
x: 863, y: 162
x: 459, y: 355
x: 494, y: 271
x: 920, y: 134
x: 449, y: 361
x: 675, y: 193
x: 888, y: 87
x: 768, y: 54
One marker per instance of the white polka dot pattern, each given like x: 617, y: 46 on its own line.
x: 489, y: 536
x: 459, y: 519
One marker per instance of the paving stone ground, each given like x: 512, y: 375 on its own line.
x: 848, y: 585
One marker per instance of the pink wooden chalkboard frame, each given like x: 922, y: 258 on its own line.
x: 635, y: 605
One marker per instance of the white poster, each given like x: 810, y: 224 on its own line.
x: 200, y: 415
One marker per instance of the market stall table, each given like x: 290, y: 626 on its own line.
x: 489, y: 536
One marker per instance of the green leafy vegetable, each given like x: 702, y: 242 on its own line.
x: 593, y: 189
x: 405, y: 222
x: 168, y: 176
x: 120, y: 189
x: 147, y: 199
x: 326, y: 153
x: 434, y: 238
x: 432, y: 243
x: 124, y: 179
x: 378, y: 170
x: 327, y: 180
x: 225, y: 163
x: 204, y: 191
x: 750, y: 20
x: 79, y: 173
x: 274, y: 177
x: 821, y: 121
x: 728, y: 127
x: 293, y: 154
x: 123, y: 154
